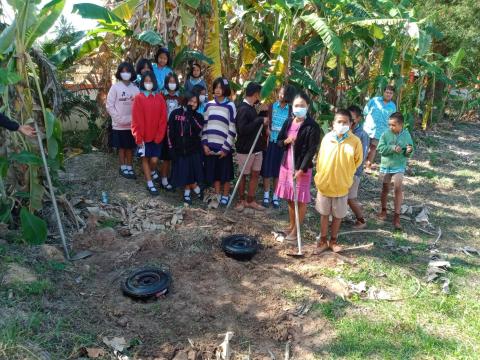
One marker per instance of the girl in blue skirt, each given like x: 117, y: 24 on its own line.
x: 272, y: 159
x: 184, y: 127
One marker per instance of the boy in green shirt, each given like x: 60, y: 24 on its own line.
x: 395, y: 147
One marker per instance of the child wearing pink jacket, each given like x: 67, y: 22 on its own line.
x: 119, y: 106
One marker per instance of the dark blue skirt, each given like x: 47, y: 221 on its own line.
x: 271, y: 161
x: 153, y: 150
x: 217, y: 169
x: 123, y: 139
x: 187, y: 170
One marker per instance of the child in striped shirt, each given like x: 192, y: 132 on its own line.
x: 218, y: 136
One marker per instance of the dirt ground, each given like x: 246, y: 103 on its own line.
x: 264, y: 302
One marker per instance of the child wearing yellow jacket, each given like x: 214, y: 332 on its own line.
x: 339, y: 157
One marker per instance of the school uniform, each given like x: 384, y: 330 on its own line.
x: 173, y: 103
x: 8, y: 124
x: 161, y: 74
x: 274, y: 153
x: 191, y: 82
x: 219, y: 134
x: 119, y: 105
x: 184, y: 128
x: 149, y: 122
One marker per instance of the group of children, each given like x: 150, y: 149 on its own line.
x: 196, y: 140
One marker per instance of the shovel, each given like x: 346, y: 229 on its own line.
x: 295, y: 200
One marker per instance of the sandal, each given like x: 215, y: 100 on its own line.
x: 266, y: 202
x: 132, y: 175
x: 167, y: 187
x: 124, y: 173
x: 187, y: 199
x: 152, y: 190
x: 276, y: 203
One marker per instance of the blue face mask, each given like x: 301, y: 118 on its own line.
x: 300, y: 112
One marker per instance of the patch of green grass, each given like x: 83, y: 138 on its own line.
x: 35, y: 288
x: 332, y: 310
x: 363, y: 338
x: 50, y: 265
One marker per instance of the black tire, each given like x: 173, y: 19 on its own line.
x: 145, y: 283
x: 240, y: 246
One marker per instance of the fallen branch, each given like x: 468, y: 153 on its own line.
x: 426, y: 231
x: 364, y: 231
x: 438, y: 237
x: 369, y: 245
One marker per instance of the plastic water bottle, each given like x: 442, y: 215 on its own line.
x: 104, y: 197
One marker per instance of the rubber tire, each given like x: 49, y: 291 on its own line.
x: 240, y: 246
x: 147, y: 282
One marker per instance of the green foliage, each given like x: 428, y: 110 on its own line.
x: 151, y: 37
x: 34, y: 229
x: 187, y: 54
x: 329, y: 38
x: 96, y: 12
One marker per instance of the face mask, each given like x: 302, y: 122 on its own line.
x: 148, y: 86
x: 125, y: 76
x: 340, y: 129
x: 202, y: 98
x: 300, y: 112
x: 172, y: 86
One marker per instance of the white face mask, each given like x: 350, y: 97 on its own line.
x: 148, y: 86
x: 172, y: 86
x: 300, y: 112
x: 340, y: 129
x: 202, y: 98
x: 125, y: 76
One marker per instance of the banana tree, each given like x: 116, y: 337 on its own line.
x: 24, y: 65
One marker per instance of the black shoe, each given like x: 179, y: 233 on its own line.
x: 153, y: 190
x: 124, y: 173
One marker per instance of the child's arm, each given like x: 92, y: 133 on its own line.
x: 409, y: 142
x: 313, y: 141
x: 385, y: 149
x: 171, y: 130
x: 282, y: 135
x: 137, y: 120
x: 232, y: 133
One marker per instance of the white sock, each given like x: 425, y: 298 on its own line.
x: 164, y: 181
x: 197, y: 190
x: 186, y: 192
x: 275, y: 197
x: 123, y: 167
x: 129, y: 167
x: 154, y: 175
x: 150, y: 183
x: 266, y: 194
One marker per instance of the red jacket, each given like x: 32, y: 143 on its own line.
x: 149, y: 118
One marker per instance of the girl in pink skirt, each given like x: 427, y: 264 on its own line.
x: 303, y: 133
